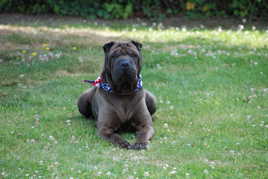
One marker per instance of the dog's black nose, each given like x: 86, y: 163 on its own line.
x: 124, y: 64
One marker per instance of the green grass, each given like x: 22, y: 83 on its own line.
x: 211, y: 85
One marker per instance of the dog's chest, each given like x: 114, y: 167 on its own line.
x: 125, y: 107
x: 124, y: 110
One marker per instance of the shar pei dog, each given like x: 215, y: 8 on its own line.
x: 117, y: 101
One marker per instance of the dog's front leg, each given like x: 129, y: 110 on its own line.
x: 106, y: 129
x: 144, y: 132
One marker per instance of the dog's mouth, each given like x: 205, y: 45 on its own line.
x: 125, y: 88
x: 126, y: 83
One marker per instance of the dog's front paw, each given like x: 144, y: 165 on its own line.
x: 124, y: 144
x: 138, y: 146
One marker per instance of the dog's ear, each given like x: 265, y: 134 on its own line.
x: 106, y: 74
x: 137, y: 44
x: 106, y: 47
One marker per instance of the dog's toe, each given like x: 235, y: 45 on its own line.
x: 138, y: 146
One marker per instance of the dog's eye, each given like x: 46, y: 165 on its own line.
x: 114, y: 56
x: 134, y: 55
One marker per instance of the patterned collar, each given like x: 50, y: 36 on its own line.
x: 107, y: 87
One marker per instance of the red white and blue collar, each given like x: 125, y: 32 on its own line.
x: 107, y: 87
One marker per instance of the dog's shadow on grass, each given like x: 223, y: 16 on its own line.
x: 89, y: 124
x: 83, y: 119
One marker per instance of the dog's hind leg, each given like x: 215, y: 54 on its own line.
x: 84, y: 103
x: 150, y: 100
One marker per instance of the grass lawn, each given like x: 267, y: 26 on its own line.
x: 211, y: 85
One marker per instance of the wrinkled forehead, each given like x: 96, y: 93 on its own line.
x: 123, y: 48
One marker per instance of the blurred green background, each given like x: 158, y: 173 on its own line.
x: 122, y: 9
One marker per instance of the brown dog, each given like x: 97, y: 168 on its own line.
x: 119, y: 100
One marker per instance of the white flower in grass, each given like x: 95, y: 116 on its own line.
x: 165, y: 125
x: 165, y: 138
x: 109, y: 173
x: 32, y: 140
x: 232, y: 151
x: 58, y: 55
x: 252, y: 89
x: 174, y: 52
x: 165, y: 166
x: 173, y: 172
x: 146, y: 174
x: 51, y: 137
x: 4, y: 174
x: 158, y: 66
x: 249, y: 117
x: 68, y: 122
x: 205, y: 171
x: 187, y: 174
x: 99, y: 173
x: 37, y: 117
x: 240, y: 27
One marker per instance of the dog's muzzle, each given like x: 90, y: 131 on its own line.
x: 124, y: 70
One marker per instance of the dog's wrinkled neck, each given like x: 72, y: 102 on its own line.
x: 125, y: 87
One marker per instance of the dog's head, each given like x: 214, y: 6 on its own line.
x: 122, y: 65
